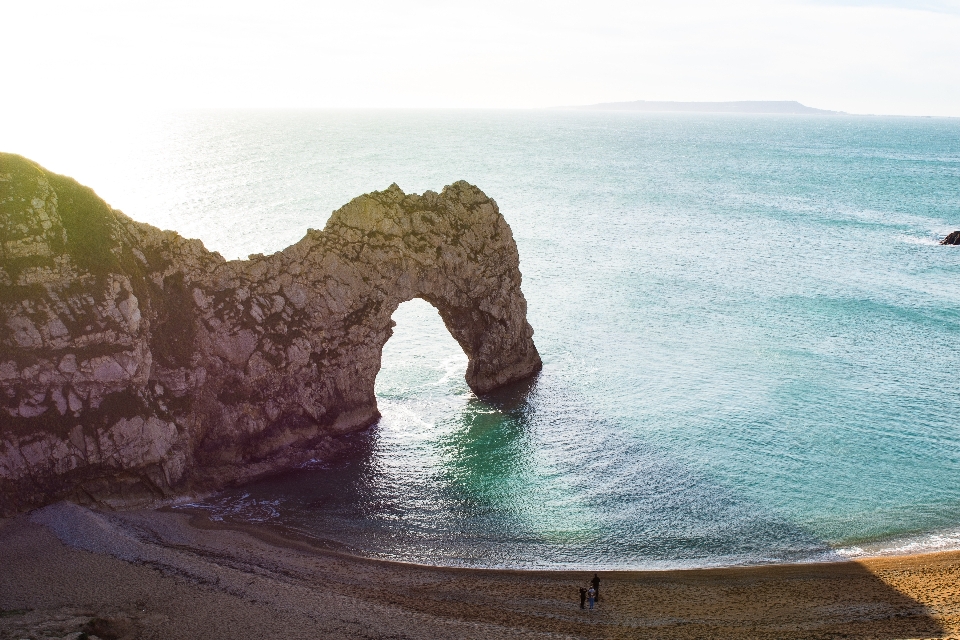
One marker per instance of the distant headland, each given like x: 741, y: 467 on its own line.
x: 740, y: 106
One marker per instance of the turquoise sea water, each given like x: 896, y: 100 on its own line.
x: 751, y: 339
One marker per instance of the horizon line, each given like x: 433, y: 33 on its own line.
x: 619, y: 106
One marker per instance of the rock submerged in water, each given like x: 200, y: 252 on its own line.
x: 952, y: 238
x: 135, y: 365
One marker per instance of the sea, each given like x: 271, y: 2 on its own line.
x: 750, y: 334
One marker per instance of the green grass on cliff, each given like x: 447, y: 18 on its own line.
x: 90, y: 223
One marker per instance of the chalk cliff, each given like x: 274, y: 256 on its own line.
x: 135, y: 365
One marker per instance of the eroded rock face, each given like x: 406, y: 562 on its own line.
x: 952, y: 238
x: 135, y: 365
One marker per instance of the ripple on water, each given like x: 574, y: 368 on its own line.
x: 749, y: 333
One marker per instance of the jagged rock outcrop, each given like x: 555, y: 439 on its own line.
x: 135, y: 365
x: 952, y: 238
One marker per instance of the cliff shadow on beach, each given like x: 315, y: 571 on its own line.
x: 487, y: 505
x: 166, y: 574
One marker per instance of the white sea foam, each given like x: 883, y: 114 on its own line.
x: 928, y: 241
x: 243, y: 507
x: 948, y: 540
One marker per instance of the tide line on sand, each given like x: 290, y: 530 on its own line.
x: 178, y: 575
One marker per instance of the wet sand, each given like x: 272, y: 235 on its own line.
x: 162, y: 574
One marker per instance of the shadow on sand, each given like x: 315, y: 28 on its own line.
x: 486, y: 457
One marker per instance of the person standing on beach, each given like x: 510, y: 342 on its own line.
x: 590, y: 594
x: 596, y: 585
x: 583, y: 597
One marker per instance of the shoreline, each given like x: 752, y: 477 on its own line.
x: 169, y: 574
x: 281, y: 535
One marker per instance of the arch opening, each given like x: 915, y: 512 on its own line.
x: 421, y: 357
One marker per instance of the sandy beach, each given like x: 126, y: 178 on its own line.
x: 67, y: 570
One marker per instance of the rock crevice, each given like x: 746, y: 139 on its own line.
x: 135, y: 365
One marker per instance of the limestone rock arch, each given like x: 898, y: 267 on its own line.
x: 453, y: 250
x: 136, y: 365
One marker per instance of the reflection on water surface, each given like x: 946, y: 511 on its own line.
x: 748, y: 330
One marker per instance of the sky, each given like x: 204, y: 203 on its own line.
x: 892, y: 57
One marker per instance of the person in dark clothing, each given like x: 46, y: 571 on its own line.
x: 583, y: 597
x: 595, y: 583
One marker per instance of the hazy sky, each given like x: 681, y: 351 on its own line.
x: 863, y: 57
